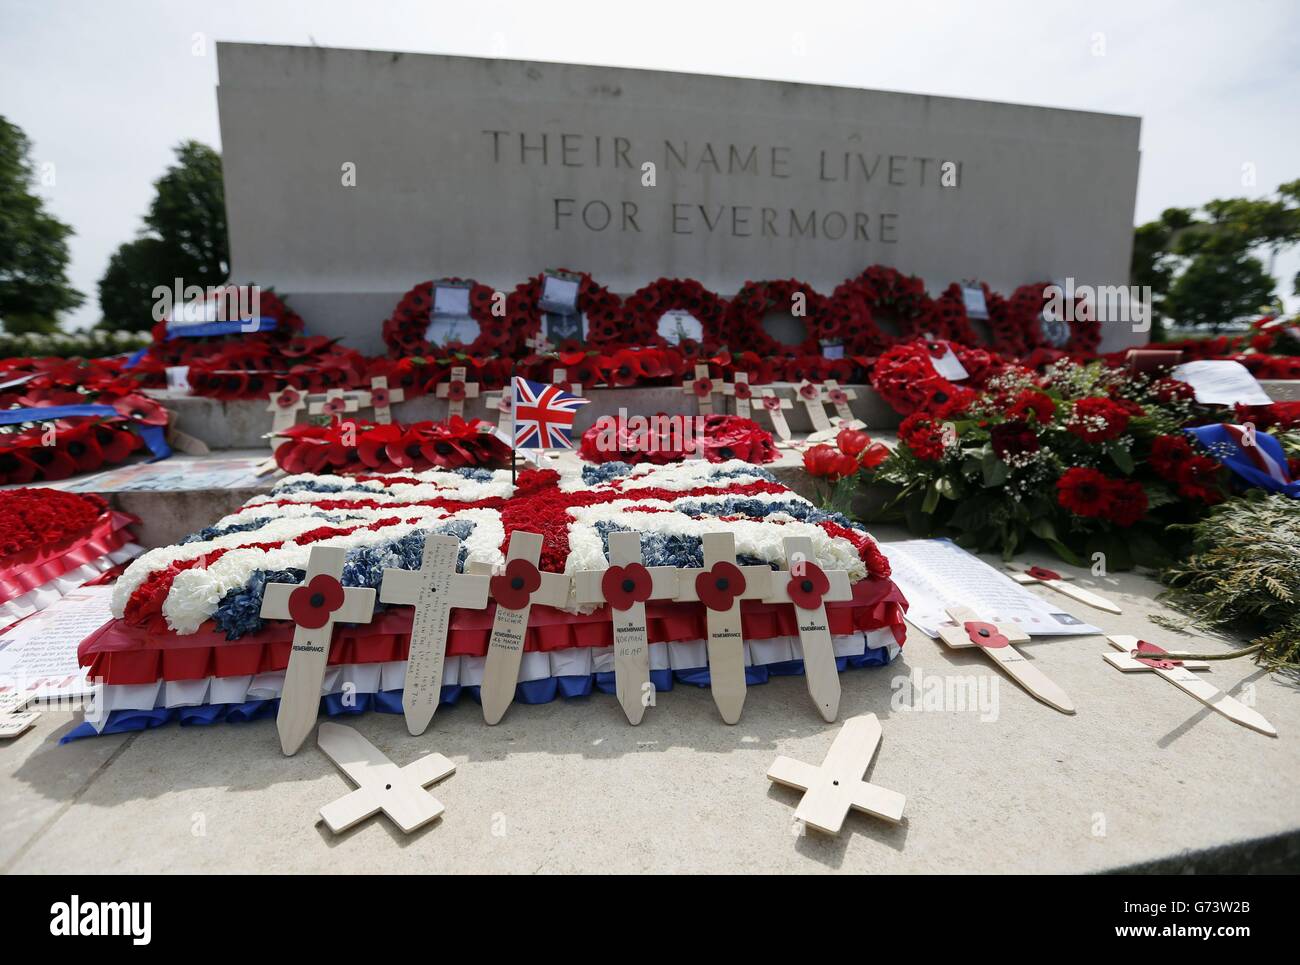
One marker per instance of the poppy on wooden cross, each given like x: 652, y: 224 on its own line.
x: 515, y: 590
x: 704, y: 387
x: 739, y: 389
x: 456, y: 390
x: 1056, y: 581
x: 625, y: 586
x: 995, y: 640
x: 314, y: 606
x: 774, y: 405
x: 813, y: 397
x: 721, y: 585
x: 382, y: 399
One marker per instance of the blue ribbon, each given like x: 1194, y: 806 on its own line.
x: 264, y: 324
x: 1225, y: 447
x: 135, y: 358
x: 154, y: 437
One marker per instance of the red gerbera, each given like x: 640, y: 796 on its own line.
x: 1127, y: 503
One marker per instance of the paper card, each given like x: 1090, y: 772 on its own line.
x: 450, y: 301
x: 559, y: 294
x: 675, y: 326
x: 832, y: 350
x: 935, y: 574
x: 199, y: 311
x: 38, y: 656
x: 178, y: 379
x: 559, y: 328
x: 177, y: 473
x: 948, y: 365
x: 1221, y: 382
x: 972, y: 297
x: 445, y: 329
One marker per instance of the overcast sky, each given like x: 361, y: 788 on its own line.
x: 106, y: 89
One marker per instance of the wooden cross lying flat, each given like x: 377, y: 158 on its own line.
x: 813, y: 396
x: 703, y: 387
x: 840, y: 399
x: 626, y: 586
x: 738, y: 388
x: 284, y: 407
x: 1139, y: 655
x: 515, y: 591
x: 433, y: 590
x: 809, y: 587
x: 995, y: 640
x: 720, y: 586
x: 382, y: 399
x: 773, y: 405
x: 456, y: 390
x: 381, y: 785
x: 1056, y: 581
x: 314, y: 606
x: 837, y: 785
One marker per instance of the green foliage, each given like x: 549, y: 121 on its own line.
x: 95, y: 343
x: 34, y: 286
x: 1243, y: 574
x: 1201, y: 266
x: 184, y: 237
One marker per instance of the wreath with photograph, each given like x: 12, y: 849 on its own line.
x: 647, y: 307
x: 1077, y: 336
x: 755, y: 300
x: 953, y: 322
x: 608, y: 323
x: 406, y: 330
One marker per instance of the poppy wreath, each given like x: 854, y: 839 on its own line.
x: 952, y: 322
x: 886, y: 293
x: 404, y: 331
x: 756, y: 299
x: 59, y: 381
x: 360, y: 447
x: 647, y: 305
x: 608, y: 319
x: 79, y: 443
x: 618, y: 367
x: 254, y: 369
x: 905, y: 376
x: 661, y: 441
x: 1026, y: 308
x: 185, y: 350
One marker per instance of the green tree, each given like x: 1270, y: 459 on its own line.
x: 184, y: 237
x: 1218, y: 286
x: 34, y: 284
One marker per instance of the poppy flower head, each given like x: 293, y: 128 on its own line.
x: 719, y: 586
x: 623, y: 586
x: 514, y: 587
x: 379, y: 397
x: 702, y: 387
x: 808, y: 584
x: 985, y: 635
x: 311, y: 604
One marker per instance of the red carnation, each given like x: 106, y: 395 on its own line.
x: 1031, y: 401
x: 1084, y: 492
x: 923, y: 436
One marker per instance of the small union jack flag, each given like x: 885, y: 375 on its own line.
x: 544, y: 415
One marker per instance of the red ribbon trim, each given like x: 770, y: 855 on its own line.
x: 34, y: 568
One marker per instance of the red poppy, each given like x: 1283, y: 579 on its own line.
x: 456, y: 390
x: 379, y: 397
x: 810, y: 391
x: 514, y: 588
x: 335, y: 406
x: 1032, y: 402
x: 985, y: 634
x: 288, y: 397
x: 743, y: 390
x: 81, y: 446
x: 771, y: 402
x: 702, y: 387
x: 140, y: 409
x: 311, y: 604
x: 838, y: 397
x: 718, y: 587
x: 1043, y: 573
x: 626, y: 585
x: 808, y: 584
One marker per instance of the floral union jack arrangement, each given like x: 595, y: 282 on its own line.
x: 187, y: 642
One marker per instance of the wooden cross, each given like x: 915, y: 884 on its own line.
x: 433, y: 590
x: 995, y: 640
x: 336, y: 402
x: 801, y: 583
x: 724, y: 585
x: 284, y: 407
x: 539, y: 343
x: 510, y: 626
x: 1179, y: 673
x: 505, y: 417
x: 456, y: 390
x: 382, y: 398
x: 739, y: 389
x: 813, y: 396
x: 703, y: 387
x: 381, y: 785
x: 840, y: 399
x: 314, y: 606
x: 1056, y: 581
x: 838, y: 784
x: 773, y: 404
x: 633, y: 583
x: 560, y: 377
